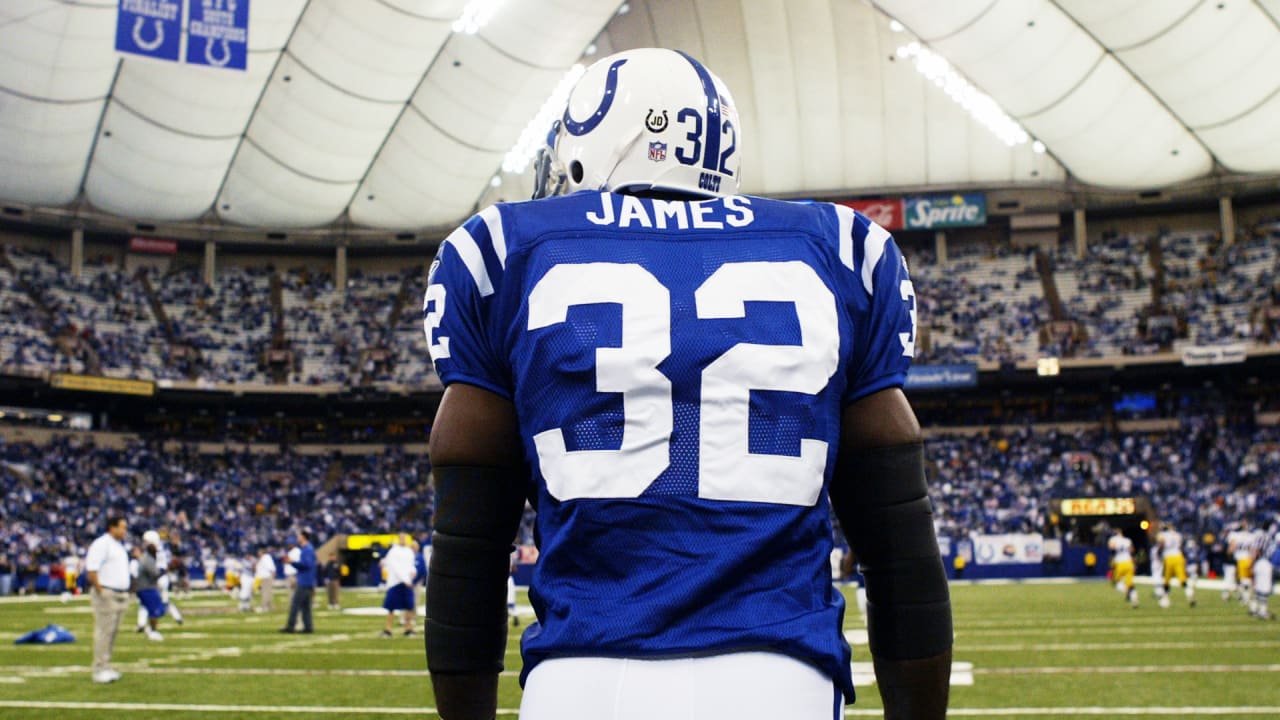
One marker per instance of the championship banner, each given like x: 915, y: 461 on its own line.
x: 1214, y: 355
x: 153, y: 246
x: 93, y: 383
x: 1012, y: 548
x: 218, y: 33
x: 152, y: 28
x: 214, y: 33
x: 884, y: 212
x: 945, y: 211
x: 938, y: 377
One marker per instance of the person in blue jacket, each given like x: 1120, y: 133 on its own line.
x: 305, y: 586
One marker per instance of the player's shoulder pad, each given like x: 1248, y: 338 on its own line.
x: 481, y: 246
x: 862, y: 244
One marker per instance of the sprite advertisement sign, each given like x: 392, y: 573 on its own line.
x: 945, y: 211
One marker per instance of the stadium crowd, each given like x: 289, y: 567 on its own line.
x: 55, y: 498
x: 1202, y: 477
x: 985, y: 303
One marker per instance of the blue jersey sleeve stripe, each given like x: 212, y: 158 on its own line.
x: 469, y: 252
x: 872, y: 249
x: 846, y: 217
x: 493, y: 220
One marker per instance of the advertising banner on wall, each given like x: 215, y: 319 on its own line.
x: 938, y: 377
x: 1009, y: 548
x: 937, y: 212
x: 885, y: 212
x: 1214, y: 354
x: 154, y: 246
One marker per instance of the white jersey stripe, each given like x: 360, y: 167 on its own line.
x: 469, y: 252
x: 493, y: 220
x: 873, y: 248
x: 846, y: 217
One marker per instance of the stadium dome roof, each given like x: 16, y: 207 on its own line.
x: 378, y: 114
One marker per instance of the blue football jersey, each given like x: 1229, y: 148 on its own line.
x: 679, y: 371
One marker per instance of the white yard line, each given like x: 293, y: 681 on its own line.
x: 1127, y: 669
x: 1192, y: 711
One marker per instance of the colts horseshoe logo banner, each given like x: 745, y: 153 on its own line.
x: 214, y: 33
x: 218, y: 33
x: 150, y: 27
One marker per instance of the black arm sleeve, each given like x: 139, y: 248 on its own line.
x: 477, y: 515
x: 882, y: 502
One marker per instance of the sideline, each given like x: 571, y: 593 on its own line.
x: 1197, y: 711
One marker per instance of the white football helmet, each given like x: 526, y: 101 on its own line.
x: 151, y: 537
x: 645, y: 119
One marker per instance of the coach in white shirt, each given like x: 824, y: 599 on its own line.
x: 107, y: 565
x: 265, y: 573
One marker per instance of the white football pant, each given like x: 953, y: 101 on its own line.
x: 735, y: 686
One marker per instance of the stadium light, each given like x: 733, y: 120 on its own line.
x: 1048, y: 367
x: 981, y: 106
x: 475, y: 15
x: 534, y: 134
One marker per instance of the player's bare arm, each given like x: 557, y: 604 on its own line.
x: 477, y: 471
x: 879, y: 494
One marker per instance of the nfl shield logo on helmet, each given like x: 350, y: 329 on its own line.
x: 657, y: 151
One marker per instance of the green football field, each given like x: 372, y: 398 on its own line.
x: 1067, y: 650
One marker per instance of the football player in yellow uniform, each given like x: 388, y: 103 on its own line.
x: 1121, y: 549
x: 1175, y: 565
x: 1240, y: 544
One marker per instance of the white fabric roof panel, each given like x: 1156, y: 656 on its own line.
x: 54, y: 79
x: 334, y: 96
x: 261, y: 191
x: 1214, y: 65
x: 144, y: 170
x: 369, y: 49
x: 470, y: 108
x: 823, y: 109
x: 378, y: 126
x: 43, y: 148
x: 1106, y: 128
x: 398, y: 194
x: 57, y: 52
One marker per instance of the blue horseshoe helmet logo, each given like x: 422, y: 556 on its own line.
x: 576, y: 128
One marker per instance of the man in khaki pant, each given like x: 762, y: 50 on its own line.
x: 107, y: 565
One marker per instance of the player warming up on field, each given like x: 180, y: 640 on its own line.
x: 684, y: 382
x: 1170, y: 543
x: 1121, y: 548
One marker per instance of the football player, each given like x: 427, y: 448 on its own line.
x: 683, y: 381
x: 146, y: 573
x: 163, y: 559
x: 1240, y: 544
x: 1121, y: 548
x: 1174, y: 565
x: 1265, y: 549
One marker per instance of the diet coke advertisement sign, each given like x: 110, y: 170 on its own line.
x: 884, y: 212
